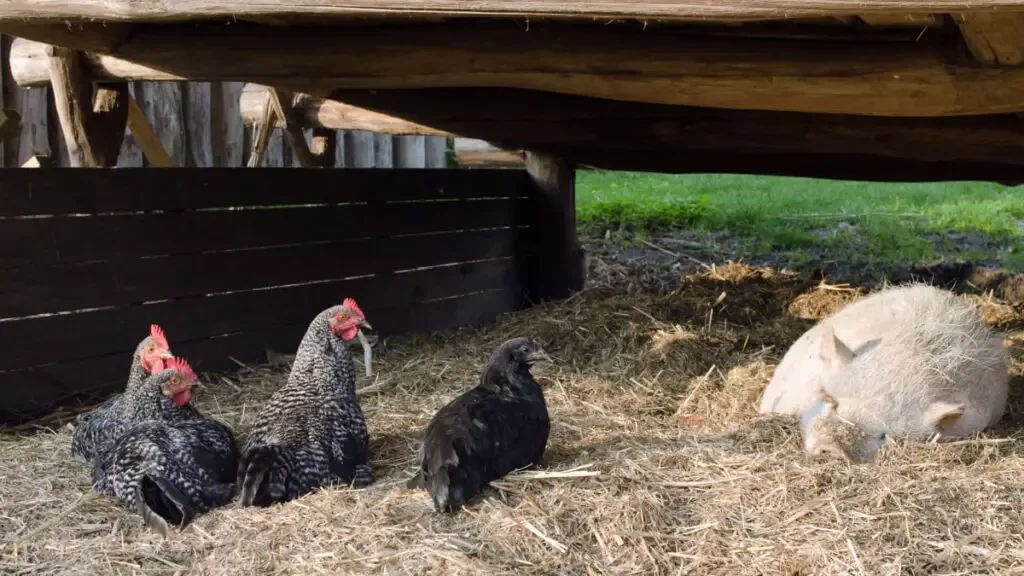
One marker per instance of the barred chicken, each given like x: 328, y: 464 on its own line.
x: 311, y: 432
x: 497, y: 427
x: 174, y: 466
x: 149, y: 357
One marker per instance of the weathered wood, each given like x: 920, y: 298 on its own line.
x: 226, y: 125
x: 131, y: 155
x: 359, y: 151
x: 282, y: 10
x: 909, y: 20
x: 93, y: 123
x: 66, y: 241
x: 104, y: 191
x: 539, y: 120
x: 10, y: 124
x: 472, y: 153
x: 313, y: 112
x: 262, y: 131
x: 384, y: 151
x: 436, y: 152
x: 281, y: 100
x: 410, y: 152
x: 146, y: 137
x: 994, y: 38
x: 41, y: 340
x: 33, y: 139
x: 921, y: 78
x: 552, y: 255
x: 38, y: 290
x: 198, y: 126
x: 163, y: 106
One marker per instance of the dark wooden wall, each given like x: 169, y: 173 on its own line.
x: 89, y: 258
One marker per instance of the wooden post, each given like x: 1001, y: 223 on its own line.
x: 282, y: 101
x: 552, y: 259
x: 93, y: 128
x: 261, y: 139
x: 10, y: 124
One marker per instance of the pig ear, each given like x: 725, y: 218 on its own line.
x: 941, y: 415
x: 833, y: 352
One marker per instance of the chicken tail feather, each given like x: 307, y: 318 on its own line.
x: 256, y: 464
x: 158, y: 501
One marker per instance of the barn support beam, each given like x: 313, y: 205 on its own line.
x: 93, y: 123
x: 147, y: 138
x: 281, y: 100
x: 923, y: 78
x: 552, y: 258
x: 994, y: 38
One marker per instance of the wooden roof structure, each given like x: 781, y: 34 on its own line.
x: 869, y: 89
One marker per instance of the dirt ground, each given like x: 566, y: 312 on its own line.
x: 657, y: 462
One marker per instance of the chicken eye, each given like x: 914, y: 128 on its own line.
x: 175, y: 380
x: 342, y: 317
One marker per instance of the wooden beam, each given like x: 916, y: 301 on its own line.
x: 324, y: 146
x: 146, y: 137
x: 474, y: 153
x: 10, y: 124
x: 93, y: 130
x: 312, y: 111
x: 994, y: 38
x: 537, y: 120
x: 281, y: 100
x: 905, y: 20
x: 283, y: 10
x: 261, y: 139
x: 552, y: 259
x: 658, y: 66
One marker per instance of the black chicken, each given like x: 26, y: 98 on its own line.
x: 173, y: 466
x: 88, y: 435
x: 311, y: 431
x: 498, y: 426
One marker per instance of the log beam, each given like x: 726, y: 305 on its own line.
x: 191, y: 10
x: 664, y: 66
x: 147, y: 138
x: 281, y: 100
x: 93, y: 124
x: 994, y: 38
x: 316, y: 112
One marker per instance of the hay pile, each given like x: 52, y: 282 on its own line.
x: 657, y: 464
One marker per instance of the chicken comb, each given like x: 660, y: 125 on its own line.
x: 179, y: 364
x: 350, y: 303
x: 157, y: 334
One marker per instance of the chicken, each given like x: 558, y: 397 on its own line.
x: 498, y: 426
x: 172, y: 468
x: 149, y: 357
x: 311, y: 432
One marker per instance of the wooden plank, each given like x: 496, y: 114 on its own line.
x: 131, y: 155
x: 384, y: 151
x: 410, y: 152
x: 93, y: 134
x: 359, y: 152
x: 34, y: 392
x: 436, y: 152
x: 189, y: 10
x: 147, y: 139
x: 472, y: 153
x: 49, y: 339
x: 667, y: 66
x: 33, y: 140
x: 38, y: 290
x: 227, y: 128
x: 276, y: 155
x: 162, y: 105
x: 994, y: 38
x: 5, y: 83
x: 49, y: 241
x: 102, y: 191
x: 198, y: 125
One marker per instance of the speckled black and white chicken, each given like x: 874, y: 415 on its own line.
x: 173, y: 466
x: 311, y: 432
x: 497, y: 427
x: 92, y: 429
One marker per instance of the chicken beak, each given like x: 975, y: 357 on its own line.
x: 539, y: 356
x: 365, y: 324
x: 166, y: 355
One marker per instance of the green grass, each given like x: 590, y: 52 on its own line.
x: 815, y: 219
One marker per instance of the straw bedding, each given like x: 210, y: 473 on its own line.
x: 657, y: 462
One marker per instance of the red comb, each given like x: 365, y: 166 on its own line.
x: 157, y: 334
x: 350, y: 303
x: 179, y: 364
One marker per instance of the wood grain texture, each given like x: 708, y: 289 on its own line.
x: 197, y: 114
x: 358, y: 150
x: 227, y: 129
x: 668, y: 66
x: 994, y: 38
x: 410, y: 152
x: 162, y: 103
x: 282, y: 10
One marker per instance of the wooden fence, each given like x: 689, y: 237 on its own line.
x: 200, y: 126
x: 88, y: 261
